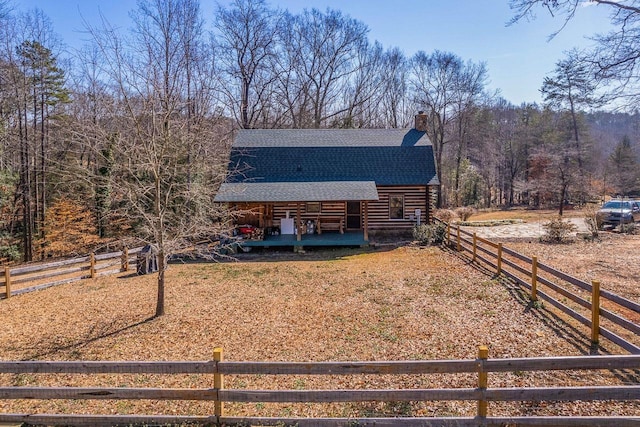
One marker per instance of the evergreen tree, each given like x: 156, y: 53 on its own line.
x: 623, y: 164
x: 571, y: 88
x: 44, y: 89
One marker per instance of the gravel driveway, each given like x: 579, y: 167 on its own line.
x: 521, y: 230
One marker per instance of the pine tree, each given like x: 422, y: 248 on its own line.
x: 44, y: 90
x: 623, y: 163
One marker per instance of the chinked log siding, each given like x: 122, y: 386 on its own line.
x: 415, y: 197
x: 326, y: 209
x: 339, y: 166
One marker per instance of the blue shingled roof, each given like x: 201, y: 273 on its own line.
x: 385, y: 156
x: 330, y: 138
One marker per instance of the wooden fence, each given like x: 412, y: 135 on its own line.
x: 29, y: 278
x: 532, y: 274
x: 481, y: 393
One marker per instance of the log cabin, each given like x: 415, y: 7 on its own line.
x: 303, y: 182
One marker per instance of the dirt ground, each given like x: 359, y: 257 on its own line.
x: 389, y: 303
x: 612, y: 258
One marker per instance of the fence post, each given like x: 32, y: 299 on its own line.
x: 448, y: 234
x: 595, y: 311
x: 475, y: 244
x: 483, y: 355
x: 124, y: 260
x: 218, y: 384
x: 92, y: 265
x: 499, y: 267
x: 534, y: 278
x: 458, y: 238
x: 7, y: 280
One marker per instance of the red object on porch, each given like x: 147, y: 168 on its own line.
x: 246, y: 229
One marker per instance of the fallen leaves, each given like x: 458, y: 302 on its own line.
x: 392, y: 304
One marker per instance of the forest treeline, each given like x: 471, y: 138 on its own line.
x: 129, y: 135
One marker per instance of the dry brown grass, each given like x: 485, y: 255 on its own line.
x: 394, y: 304
x: 613, y: 260
x: 522, y: 214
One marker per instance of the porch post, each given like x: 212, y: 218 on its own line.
x: 366, y: 220
x: 298, y: 223
x: 261, y: 211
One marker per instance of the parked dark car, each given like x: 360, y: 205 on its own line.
x: 616, y: 212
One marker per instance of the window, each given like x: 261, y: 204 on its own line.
x: 313, y: 207
x: 396, y: 207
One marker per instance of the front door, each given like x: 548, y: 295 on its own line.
x: 354, y: 216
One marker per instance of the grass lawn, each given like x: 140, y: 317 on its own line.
x: 524, y: 214
x: 384, y: 304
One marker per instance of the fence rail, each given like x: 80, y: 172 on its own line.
x: 482, y: 394
x: 68, y: 271
x: 526, y: 271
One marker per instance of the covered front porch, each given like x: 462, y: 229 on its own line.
x: 301, y: 214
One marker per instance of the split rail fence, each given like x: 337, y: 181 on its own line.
x: 595, y: 303
x: 481, y: 394
x: 22, y: 279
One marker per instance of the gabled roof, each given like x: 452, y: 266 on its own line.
x: 383, y: 156
x: 297, y: 191
x: 330, y: 138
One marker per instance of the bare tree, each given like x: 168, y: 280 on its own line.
x: 394, y: 103
x: 467, y: 98
x: 156, y: 142
x: 497, y: 149
x: 246, y: 44
x: 445, y: 87
x: 615, y: 60
x: 87, y: 151
x: 433, y: 79
x: 320, y: 52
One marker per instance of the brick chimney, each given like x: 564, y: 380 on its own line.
x: 421, y: 122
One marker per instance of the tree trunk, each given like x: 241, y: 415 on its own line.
x: 574, y: 122
x: 43, y: 169
x: 244, y: 107
x: 563, y: 195
x: 456, y: 184
x: 25, y: 182
x: 36, y: 164
x: 161, y: 270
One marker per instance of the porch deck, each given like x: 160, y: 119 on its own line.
x: 349, y: 238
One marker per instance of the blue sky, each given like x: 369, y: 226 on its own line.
x: 518, y: 57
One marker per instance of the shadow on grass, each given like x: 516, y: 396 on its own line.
x: 96, y: 333
x: 310, y: 253
x: 579, y: 339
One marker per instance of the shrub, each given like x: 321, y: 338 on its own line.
x: 445, y: 215
x: 628, y: 228
x: 465, y: 212
x: 68, y: 229
x: 9, y: 248
x: 592, y: 220
x: 429, y: 234
x: 558, y: 231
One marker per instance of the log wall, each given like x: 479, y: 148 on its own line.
x: 415, y: 197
